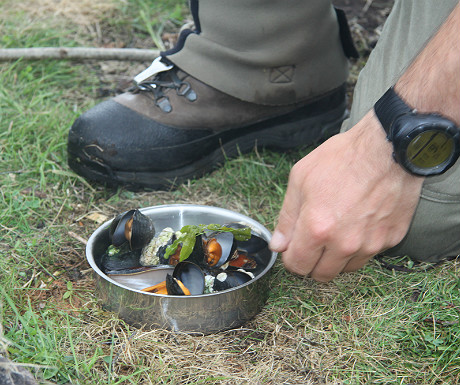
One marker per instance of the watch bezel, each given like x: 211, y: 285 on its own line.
x: 407, y: 127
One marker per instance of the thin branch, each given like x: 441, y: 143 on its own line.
x: 78, y: 53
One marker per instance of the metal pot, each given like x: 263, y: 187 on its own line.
x: 197, y: 313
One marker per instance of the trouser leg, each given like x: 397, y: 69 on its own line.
x: 435, y: 229
x: 270, y: 52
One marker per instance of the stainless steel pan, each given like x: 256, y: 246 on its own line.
x: 204, y: 313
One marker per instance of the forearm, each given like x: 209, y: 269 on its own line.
x: 432, y: 81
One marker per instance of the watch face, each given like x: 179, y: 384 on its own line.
x: 430, y: 149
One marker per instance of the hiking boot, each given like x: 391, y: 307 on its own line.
x: 174, y: 128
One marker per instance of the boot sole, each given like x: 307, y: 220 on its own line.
x: 280, y: 134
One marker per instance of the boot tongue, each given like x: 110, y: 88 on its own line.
x: 156, y: 67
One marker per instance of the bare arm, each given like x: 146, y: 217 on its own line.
x: 432, y: 82
x: 348, y: 200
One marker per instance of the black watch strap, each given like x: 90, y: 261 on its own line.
x: 389, y: 107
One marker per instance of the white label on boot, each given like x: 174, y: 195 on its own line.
x: 154, y: 68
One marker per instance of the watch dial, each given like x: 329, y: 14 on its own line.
x: 430, y: 149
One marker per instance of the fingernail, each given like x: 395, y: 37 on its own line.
x: 277, y: 242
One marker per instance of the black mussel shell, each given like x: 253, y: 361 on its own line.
x: 230, y: 278
x: 253, y: 244
x: 162, y: 250
x: 191, y: 276
x: 197, y: 254
x: 236, y: 225
x: 218, y: 247
x: 114, y: 225
x: 173, y: 287
x: 133, y: 227
x: 122, y: 261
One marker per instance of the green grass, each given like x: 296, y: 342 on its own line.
x: 373, y: 326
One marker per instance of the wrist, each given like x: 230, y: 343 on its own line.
x: 371, y: 148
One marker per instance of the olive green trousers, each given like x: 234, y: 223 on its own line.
x: 277, y: 52
x: 435, y: 230
x: 269, y: 52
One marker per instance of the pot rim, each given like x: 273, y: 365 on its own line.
x: 257, y: 228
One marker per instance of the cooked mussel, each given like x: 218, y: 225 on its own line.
x: 191, y: 276
x: 131, y: 227
x: 186, y: 279
x: 175, y: 286
x: 242, y: 260
x: 219, y: 248
x: 159, y: 288
x: 213, y: 250
x: 231, y: 278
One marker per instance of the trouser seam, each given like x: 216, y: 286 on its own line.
x: 441, y: 197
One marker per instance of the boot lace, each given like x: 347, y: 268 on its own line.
x: 162, y: 82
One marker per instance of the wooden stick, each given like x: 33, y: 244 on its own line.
x: 77, y: 237
x: 78, y: 53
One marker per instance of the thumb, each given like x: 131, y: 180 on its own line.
x: 286, y: 221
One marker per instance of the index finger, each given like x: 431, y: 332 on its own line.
x: 304, y: 250
x: 287, y: 218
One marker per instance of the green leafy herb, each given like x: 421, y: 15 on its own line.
x: 188, y: 234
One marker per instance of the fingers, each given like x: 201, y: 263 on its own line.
x: 327, y: 267
x: 309, y: 241
x: 314, y: 251
x: 347, y: 256
x: 287, y: 218
x: 289, y: 236
x: 318, y: 259
x: 355, y: 263
x: 305, y: 264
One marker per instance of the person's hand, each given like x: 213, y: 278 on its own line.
x: 345, y: 202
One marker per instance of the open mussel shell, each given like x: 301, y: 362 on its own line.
x: 133, y: 227
x: 117, y: 228
x: 230, y: 278
x: 191, y: 276
x: 175, y: 286
x: 219, y: 248
x: 213, y: 250
x: 242, y: 260
x: 253, y: 245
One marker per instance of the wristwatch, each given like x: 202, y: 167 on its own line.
x: 424, y: 144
